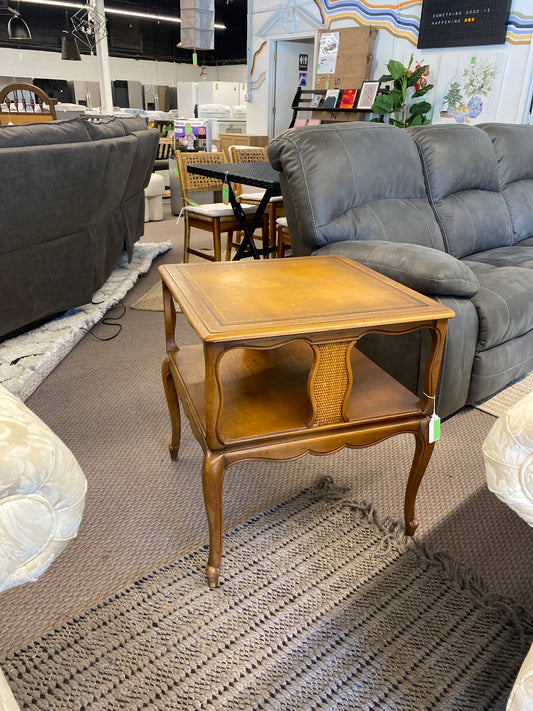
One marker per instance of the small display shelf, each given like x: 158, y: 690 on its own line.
x: 303, y: 100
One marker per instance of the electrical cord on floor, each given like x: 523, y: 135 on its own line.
x: 109, y: 321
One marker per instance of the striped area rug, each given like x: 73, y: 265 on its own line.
x: 321, y: 607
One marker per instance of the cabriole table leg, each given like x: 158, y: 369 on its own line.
x: 173, y: 408
x: 423, y: 452
x: 212, y: 481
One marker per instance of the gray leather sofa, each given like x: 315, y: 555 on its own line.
x: 72, y: 202
x: 444, y: 209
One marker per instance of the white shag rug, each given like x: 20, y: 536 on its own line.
x: 26, y: 360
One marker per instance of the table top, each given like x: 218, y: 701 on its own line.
x: 260, y: 174
x: 227, y: 301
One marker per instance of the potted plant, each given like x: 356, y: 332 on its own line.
x: 396, y: 102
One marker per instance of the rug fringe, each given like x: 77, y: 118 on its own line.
x: 395, y: 538
x: 467, y: 579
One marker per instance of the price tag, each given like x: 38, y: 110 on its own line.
x: 225, y: 190
x: 434, y: 428
x: 195, y: 59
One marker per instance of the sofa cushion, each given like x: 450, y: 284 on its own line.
x: 44, y: 134
x: 519, y: 255
x: 99, y: 128
x: 64, y: 201
x: 504, y: 305
x: 352, y: 181
x: 513, y: 146
x: 463, y: 184
x: 426, y: 270
x: 133, y: 124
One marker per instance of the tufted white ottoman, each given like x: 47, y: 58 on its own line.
x: 508, y: 454
x: 153, y: 198
x: 42, y: 495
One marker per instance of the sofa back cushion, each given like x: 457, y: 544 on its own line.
x: 462, y: 183
x: 352, y: 181
x: 89, y: 186
x: 44, y: 134
x: 513, y: 146
x: 99, y: 128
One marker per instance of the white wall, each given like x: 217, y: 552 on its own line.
x: 267, y: 23
x: 19, y: 64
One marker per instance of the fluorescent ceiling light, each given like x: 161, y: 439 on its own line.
x: 117, y: 11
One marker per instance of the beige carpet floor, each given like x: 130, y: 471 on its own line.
x: 106, y: 401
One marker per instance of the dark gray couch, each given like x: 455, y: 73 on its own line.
x: 446, y: 210
x: 72, y: 202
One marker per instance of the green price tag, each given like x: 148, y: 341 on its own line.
x: 327, y: 85
x: 225, y: 193
x: 188, y: 129
x: 194, y: 58
x: 434, y: 428
x: 176, y: 172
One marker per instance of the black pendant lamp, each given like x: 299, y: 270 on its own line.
x: 17, y: 29
x: 69, y: 46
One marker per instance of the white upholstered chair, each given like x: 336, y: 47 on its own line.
x: 42, y: 496
x: 508, y: 455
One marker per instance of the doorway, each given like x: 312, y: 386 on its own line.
x: 292, y: 62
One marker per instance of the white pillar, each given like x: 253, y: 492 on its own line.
x: 106, y: 95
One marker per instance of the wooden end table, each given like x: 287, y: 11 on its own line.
x: 278, y: 373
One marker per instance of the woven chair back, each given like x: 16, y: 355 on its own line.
x: 192, y: 183
x: 247, y: 154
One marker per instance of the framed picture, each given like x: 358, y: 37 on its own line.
x: 367, y: 95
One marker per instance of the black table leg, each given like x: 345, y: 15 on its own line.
x: 247, y: 247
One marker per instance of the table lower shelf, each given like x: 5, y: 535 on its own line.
x: 265, y: 392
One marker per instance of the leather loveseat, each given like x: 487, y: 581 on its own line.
x: 446, y: 210
x: 72, y: 202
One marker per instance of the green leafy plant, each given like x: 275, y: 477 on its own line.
x: 454, y: 96
x: 397, y: 102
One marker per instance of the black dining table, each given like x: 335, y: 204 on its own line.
x: 258, y: 174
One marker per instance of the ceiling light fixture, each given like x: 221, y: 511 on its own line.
x: 117, y: 11
x: 69, y: 47
x: 17, y: 29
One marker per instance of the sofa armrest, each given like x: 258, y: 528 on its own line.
x: 423, y: 269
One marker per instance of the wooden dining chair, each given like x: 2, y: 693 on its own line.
x: 25, y: 103
x: 283, y: 238
x: 217, y: 218
x: 251, y: 154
